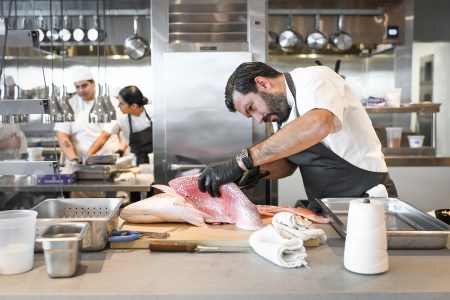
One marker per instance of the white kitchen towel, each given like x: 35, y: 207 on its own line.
x: 268, y: 243
x: 290, y: 226
x: 378, y: 191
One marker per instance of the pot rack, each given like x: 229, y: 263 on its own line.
x: 92, y: 12
x: 328, y: 11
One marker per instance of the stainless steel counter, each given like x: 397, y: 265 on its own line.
x: 14, y: 183
x: 140, y: 274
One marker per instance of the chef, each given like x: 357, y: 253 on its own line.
x: 322, y: 129
x: 135, y: 123
x: 76, y: 138
x: 13, y: 142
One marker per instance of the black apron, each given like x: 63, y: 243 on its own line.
x: 141, y: 142
x: 327, y: 175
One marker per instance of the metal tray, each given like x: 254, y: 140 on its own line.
x: 101, y: 213
x: 406, y: 226
x: 94, y: 172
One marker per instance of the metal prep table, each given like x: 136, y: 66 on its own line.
x: 28, y: 184
x: 140, y: 274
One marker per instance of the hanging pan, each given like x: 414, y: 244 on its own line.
x: 79, y: 33
x: 135, y: 46
x: 290, y: 39
x: 317, y: 39
x: 273, y: 40
x: 341, y: 40
x: 65, y: 33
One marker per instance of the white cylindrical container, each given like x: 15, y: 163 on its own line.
x: 17, y: 237
x: 366, y: 241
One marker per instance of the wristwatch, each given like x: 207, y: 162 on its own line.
x: 245, y: 158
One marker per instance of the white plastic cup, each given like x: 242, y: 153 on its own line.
x: 17, y: 237
x: 34, y: 153
x: 393, y: 97
x: 394, y: 136
x: 151, y: 158
x: 415, y: 141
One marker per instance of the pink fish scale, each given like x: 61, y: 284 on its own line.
x: 232, y: 207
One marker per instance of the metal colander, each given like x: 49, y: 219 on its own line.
x: 101, y: 213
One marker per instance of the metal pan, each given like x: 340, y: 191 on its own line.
x: 95, y: 33
x: 65, y: 34
x: 317, y: 39
x: 341, y: 40
x: 406, y: 226
x: 273, y: 40
x: 135, y: 46
x: 79, y: 33
x: 290, y: 39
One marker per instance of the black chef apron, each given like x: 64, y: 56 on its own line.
x: 141, y: 142
x: 327, y: 175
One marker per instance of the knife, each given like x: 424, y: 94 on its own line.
x: 192, y: 248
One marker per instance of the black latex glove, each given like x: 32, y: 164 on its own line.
x: 251, y: 178
x: 120, y: 152
x: 217, y: 174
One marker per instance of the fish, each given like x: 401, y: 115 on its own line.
x: 182, y: 201
x: 271, y: 210
x: 165, y: 207
x: 233, y: 207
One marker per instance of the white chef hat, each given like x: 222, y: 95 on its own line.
x: 82, y: 74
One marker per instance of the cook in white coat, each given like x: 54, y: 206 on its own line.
x: 135, y: 123
x: 76, y: 138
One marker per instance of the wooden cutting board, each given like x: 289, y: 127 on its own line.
x: 214, y: 235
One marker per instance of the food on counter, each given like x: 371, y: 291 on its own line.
x: 166, y: 207
x: 271, y: 210
x: 233, y: 207
x: 182, y: 201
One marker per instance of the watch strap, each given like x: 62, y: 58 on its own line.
x: 245, y: 158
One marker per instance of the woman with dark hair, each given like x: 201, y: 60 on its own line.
x: 135, y: 123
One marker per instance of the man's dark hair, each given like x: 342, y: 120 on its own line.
x: 243, y: 80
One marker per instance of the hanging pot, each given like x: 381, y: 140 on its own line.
x: 273, y: 40
x: 53, y: 33
x: 41, y: 29
x: 317, y: 39
x: 65, y: 34
x: 290, y: 39
x: 79, y: 34
x: 135, y: 45
x: 341, y: 40
x: 95, y: 33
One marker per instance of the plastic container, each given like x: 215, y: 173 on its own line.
x: 17, y: 237
x: 394, y: 136
x: 415, y: 141
x: 62, y: 245
x: 393, y: 97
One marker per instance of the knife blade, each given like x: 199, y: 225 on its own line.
x: 192, y: 248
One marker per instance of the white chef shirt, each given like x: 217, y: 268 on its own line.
x: 84, y: 133
x: 138, y: 123
x: 352, y: 135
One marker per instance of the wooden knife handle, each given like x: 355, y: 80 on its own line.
x: 171, y: 247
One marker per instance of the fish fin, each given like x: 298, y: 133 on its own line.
x: 197, y: 217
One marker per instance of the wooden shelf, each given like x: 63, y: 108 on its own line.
x: 406, y: 108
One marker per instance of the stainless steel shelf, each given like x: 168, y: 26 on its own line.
x: 24, y: 106
x: 22, y: 167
